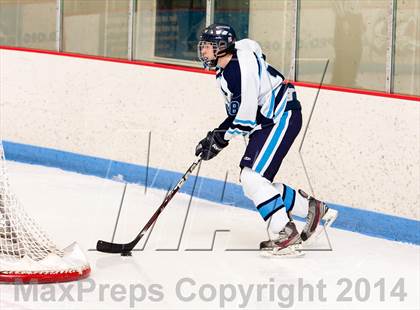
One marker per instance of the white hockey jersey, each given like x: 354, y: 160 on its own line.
x: 254, y: 92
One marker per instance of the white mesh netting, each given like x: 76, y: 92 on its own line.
x: 24, y: 246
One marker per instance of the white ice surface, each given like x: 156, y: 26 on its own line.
x: 71, y: 207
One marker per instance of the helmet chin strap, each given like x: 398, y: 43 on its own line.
x: 216, y: 60
x: 213, y: 63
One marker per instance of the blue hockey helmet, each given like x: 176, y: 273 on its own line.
x: 222, y: 37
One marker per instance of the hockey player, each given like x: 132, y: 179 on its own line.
x: 262, y: 106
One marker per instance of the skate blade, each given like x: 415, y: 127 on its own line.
x: 292, y: 251
x: 328, y: 219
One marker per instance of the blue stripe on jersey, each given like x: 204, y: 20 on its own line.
x: 244, y: 122
x: 288, y: 197
x: 273, y: 101
x: 269, y: 207
x: 272, y: 144
x: 237, y: 132
x: 282, y: 105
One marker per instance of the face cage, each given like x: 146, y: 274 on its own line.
x: 207, y: 63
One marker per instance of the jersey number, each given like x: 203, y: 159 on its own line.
x: 232, y: 108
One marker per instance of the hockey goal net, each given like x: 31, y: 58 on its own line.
x: 26, y: 253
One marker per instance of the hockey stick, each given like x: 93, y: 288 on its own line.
x: 126, y: 248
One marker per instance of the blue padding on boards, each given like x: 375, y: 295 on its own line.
x: 362, y: 221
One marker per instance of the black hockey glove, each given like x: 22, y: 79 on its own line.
x: 211, y: 145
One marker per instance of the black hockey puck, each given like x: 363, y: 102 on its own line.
x: 126, y: 253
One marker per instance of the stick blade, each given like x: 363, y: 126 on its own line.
x: 109, y: 247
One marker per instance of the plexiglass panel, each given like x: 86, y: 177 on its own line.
x: 407, y: 48
x: 351, y: 34
x: 28, y: 23
x: 96, y: 27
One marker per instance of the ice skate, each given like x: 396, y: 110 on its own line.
x: 287, y: 244
x: 317, y: 211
